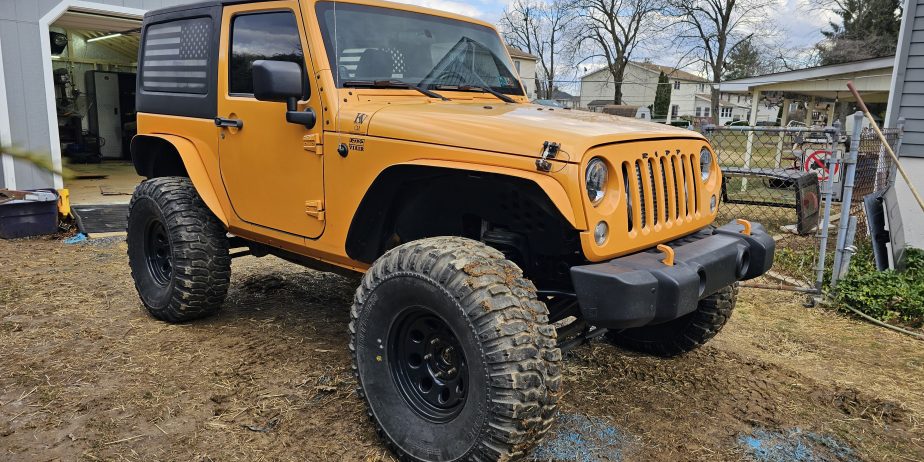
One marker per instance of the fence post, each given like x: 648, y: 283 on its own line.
x: 847, y: 196
x: 779, y: 150
x: 827, y: 194
x: 849, y: 249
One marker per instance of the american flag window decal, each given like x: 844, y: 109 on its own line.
x: 176, y: 56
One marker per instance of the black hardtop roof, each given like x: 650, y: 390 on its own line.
x: 197, y: 5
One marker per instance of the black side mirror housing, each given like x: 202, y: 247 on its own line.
x: 282, y: 81
x: 276, y: 80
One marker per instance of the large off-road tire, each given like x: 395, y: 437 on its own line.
x: 683, y: 334
x: 453, y: 353
x: 177, y: 251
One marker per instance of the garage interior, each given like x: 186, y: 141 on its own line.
x: 94, y: 60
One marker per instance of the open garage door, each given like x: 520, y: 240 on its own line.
x: 93, y: 61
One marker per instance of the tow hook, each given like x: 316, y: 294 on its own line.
x: 668, y: 254
x: 549, y: 151
x: 747, y: 226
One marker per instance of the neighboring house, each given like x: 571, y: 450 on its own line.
x: 564, y: 98
x: 906, y: 100
x: 734, y: 107
x: 525, y: 65
x: 690, y: 94
x: 640, y: 83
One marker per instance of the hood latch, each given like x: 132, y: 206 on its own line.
x: 549, y: 151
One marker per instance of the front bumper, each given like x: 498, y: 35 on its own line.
x: 640, y: 289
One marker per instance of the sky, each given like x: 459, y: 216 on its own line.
x: 799, y: 22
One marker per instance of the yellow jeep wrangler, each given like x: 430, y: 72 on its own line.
x: 362, y: 136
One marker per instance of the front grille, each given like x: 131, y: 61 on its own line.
x: 663, y: 189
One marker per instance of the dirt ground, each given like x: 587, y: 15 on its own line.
x: 85, y: 374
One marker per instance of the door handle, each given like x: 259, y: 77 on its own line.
x: 229, y: 123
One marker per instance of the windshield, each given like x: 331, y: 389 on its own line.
x: 368, y: 43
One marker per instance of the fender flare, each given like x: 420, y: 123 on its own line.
x: 552, y: 188
x: 192, y: 161
x: 363, y: 240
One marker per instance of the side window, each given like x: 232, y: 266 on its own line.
x: 176, y: 56
x: 261, y: 36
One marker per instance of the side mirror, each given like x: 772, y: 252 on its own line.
x: 276, y: 80
x: 282, y: 81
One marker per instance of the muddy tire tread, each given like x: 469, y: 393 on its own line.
x: 516, y: 340
x: 201, y: 263
x: 693, y: 331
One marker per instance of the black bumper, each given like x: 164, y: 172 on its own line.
x: 639, y: 289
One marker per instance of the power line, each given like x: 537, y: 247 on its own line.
x: 680, y: 82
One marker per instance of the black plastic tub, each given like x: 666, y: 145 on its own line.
x: 33, y: 216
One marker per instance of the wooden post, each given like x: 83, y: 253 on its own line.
x: 809, y: 109
x: 785, y: 119
x: 755, y: 101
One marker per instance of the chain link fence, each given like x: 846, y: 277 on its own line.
x: 783, y: 178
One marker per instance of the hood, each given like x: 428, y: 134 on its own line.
x: 487, y: 125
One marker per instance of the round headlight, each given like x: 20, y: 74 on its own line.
x: 595, y: 179
x: 705, y: 163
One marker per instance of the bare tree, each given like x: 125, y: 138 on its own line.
x: 713, y: 29
x: 613, y: 29
x: 542, y: 29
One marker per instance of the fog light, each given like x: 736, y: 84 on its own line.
x: 600, y: 232
x: 712, y: 203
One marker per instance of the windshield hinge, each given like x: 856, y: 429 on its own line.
x: 312, y: 143
x: 315, y: 209
x: 549, y: 151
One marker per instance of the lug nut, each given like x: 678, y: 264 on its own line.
x: 451, y: 371
x: 428, y: 356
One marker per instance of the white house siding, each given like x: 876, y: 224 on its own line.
x: 639, y: 87
x: 24, y: 78
x: 906, y: 100
x: 526, y: 68
x: 687, y: 97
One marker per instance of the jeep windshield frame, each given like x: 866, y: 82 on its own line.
x: 372, y: 43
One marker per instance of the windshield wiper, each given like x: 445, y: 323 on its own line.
x: 392, y: 84
x: 490, y: 90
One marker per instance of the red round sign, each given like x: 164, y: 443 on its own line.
x: 818, y: 162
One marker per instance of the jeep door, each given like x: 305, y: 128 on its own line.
x: 273, y: 177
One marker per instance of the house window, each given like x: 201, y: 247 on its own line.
x: 706, y: 111
x: 261, y: 36
x: 699, y: 111
x: 675, y: 110
x: 702, y: 87
x: 516, y: 64
x: 676, y: 85
x: 739, y: 98
x: 726, y: 112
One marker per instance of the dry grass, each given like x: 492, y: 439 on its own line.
x: 86, y: 375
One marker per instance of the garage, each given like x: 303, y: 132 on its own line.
x: 93, y: 60
x: 67, y: 95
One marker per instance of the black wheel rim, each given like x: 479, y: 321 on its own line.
x: 428, y: 365
x: 157, y: 253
